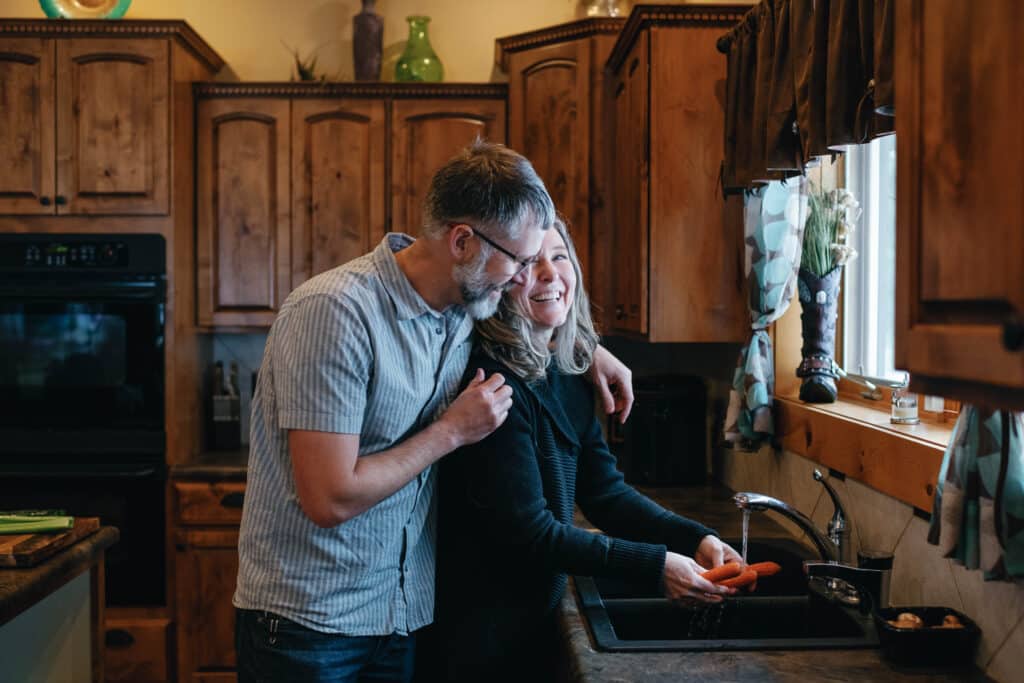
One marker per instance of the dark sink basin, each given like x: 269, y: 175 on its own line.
x: 780, y: 615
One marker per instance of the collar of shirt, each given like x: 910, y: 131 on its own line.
x: 408, y: 303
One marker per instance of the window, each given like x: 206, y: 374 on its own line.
x: 870, y: 285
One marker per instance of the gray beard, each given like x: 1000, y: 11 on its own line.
x: 476, y: 290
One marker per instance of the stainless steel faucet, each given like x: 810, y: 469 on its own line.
x: 759, y: 502
x: 844, y: 581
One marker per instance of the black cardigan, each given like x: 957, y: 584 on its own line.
x: 506, y: 537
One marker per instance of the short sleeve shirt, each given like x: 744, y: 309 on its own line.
x: 354, y: 350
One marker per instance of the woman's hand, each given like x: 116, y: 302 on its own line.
x: 712, y: 552
x: 614, y: 381
x: 683, y: 581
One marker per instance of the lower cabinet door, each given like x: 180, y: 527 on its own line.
x: 206, y: 570
x: 136, y: 647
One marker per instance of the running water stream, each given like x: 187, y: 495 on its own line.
x: 746, y: 527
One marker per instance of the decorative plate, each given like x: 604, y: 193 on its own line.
x: 85, y: 9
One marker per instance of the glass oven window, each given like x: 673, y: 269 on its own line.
x: 84, y: 364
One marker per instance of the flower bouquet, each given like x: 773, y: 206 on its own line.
x: 831, y: 218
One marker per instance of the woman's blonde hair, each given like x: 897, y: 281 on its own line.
x: 508, y: 336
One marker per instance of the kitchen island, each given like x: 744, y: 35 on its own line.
x: 51, y: 615
x: 713, y: 506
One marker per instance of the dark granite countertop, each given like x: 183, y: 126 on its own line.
x: 214, y: 466
x: 712, y: 506
x: 21, y: 588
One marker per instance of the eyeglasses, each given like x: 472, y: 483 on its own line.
x: 523, y: 263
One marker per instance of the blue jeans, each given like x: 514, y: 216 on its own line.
x: 272, y: 649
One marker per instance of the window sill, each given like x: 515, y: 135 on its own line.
x: 902, y: 461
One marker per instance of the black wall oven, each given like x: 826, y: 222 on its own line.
x: 82, y: 391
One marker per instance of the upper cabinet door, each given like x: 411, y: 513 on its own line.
x: 425, y: 135
x: 549, y: 123
x: 338, y: 182
x: 960, y: 207
x: 632, y: 166
x: 26, y: 126
x: 243, y: 210
x: 112, y: 126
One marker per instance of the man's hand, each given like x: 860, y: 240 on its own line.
x: 480, y: 409
x: 683, y: 581
x: 614, y: 381
x: 713, y: 552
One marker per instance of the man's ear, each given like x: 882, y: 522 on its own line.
x: 460, y: 244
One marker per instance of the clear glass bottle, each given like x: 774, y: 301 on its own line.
x: 904, y: 407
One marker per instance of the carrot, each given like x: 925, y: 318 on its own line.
x: 748, y: 576
x: 725, y: 571
x: 765, y: 568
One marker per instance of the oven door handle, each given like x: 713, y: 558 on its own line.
x: 140, y: 290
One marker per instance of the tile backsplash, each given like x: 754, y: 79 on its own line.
x: 921, y: 575
x: 247, y: 351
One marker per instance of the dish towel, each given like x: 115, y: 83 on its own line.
x: 773, y: 225
x: 978, y: 514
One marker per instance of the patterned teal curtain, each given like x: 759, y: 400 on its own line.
x: 774, y: 226
x: 978, y: 518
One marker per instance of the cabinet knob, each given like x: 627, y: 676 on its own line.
x: 1013, y: 334
x: 60, y: 200
x: 118, y: 638
x: 233, y: 500
x: 45, y: 201
x: 620, y: 312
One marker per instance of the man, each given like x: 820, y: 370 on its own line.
x: 354, y: 403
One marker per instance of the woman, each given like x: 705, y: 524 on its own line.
x: 506, y: 538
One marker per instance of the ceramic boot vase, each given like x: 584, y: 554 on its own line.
x: 819, y: 298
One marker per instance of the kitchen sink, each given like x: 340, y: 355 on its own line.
x: 781, y: 615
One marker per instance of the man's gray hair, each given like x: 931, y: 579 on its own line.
x: 487, y: 185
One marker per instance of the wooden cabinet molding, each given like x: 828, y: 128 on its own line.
x: 959, y: 239
x: 677, y: 246
x: 173, y: 29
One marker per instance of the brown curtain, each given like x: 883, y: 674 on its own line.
x: 782, y: 140
x: 823, y: 67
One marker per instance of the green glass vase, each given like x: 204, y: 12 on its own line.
x: 418, y: 62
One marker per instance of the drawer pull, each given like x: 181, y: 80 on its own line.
x: 1013, y: 334
x: 233, y: 499
x: 119, y: 639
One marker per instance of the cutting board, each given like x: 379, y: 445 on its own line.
x: 28, y: 550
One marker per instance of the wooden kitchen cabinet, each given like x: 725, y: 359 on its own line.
x: 295, y: 179
x: 85, y: 130
x: 27, y: 131
x: 960, y: 209
x: 243, y: 244
x: 676, y: 260
x: 206, y: 568
x: 425, y: 134
x: 338, y: 182
x: 556, y: 114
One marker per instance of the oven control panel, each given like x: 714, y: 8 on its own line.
x: 81, y: 255
x: 136, y: 253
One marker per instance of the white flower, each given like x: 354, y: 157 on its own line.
x: 843, y: 254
